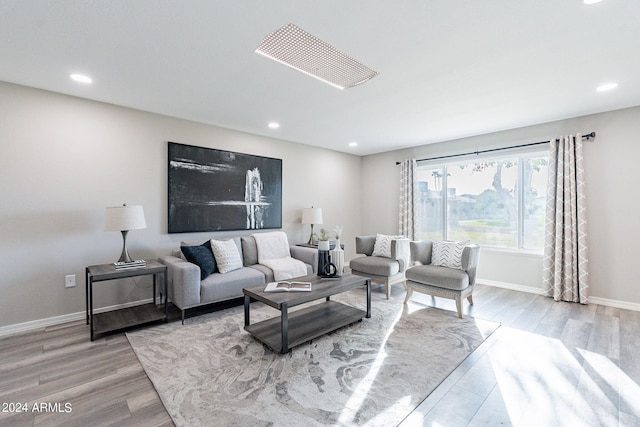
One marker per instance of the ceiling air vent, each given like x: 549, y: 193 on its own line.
x: 294, y: 47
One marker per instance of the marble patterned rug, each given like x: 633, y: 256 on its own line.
x: 211, y: 372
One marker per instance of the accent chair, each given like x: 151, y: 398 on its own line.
x: 439, y: 280
x: 386, y: 270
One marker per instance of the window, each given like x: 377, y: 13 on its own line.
x: 497, y: 201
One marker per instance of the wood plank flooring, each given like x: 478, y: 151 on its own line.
x: 549, y: 364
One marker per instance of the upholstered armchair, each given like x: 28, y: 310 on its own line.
x: 384, y: 262
x: 453, y: 278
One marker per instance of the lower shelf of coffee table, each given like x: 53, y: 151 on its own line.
x: 305, y: 324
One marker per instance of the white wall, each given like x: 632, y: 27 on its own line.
x: 65, y: 159
x: 612, y: 177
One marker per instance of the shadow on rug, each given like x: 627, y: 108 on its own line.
x: 375, y: 372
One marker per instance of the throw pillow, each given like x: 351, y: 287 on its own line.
x: 226, y: 254
x: 382, y: 245
x: 202, y: 257
x: 448, y: 254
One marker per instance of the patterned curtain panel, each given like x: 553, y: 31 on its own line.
x: 565, y: 272
x: 408, y: 225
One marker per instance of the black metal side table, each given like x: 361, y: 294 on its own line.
x: 130, y: 316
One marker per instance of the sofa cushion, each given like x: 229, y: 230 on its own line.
x: 249, y: 251
x: 220, y: 287
x: 382, y: 246
x: 266, y: 271
x: 443, y: 277
x: 448, y: 254
x: 202, y: 256
x: 226, y: 254
x: 378, y: 266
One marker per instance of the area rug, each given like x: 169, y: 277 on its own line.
x: 211, y: 372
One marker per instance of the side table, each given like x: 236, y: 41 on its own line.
x: 130, y: 316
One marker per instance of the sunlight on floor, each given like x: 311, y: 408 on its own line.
x: 360, y: 393
x: 542, y: 382
x: 485, y: 327
x: 403, y: 404
x: 613, y: 375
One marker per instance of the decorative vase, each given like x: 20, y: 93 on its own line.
x: 337, y: 257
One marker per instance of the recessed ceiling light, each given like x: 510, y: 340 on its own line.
x: 353, y: 144
x: 296, y: 48
x: 80, y: 78
x: 591, y: 1
x: 607, y: 86
x: 273, y: 125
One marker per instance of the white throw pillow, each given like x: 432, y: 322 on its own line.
x: 448, y: 254
x: 226, y: 254
x: 382, y: 245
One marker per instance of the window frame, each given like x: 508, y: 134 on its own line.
x: 521, y: 155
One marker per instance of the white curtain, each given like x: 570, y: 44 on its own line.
x: 565, y: 272
x: 408, y: 224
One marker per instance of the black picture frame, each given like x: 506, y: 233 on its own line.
x: 217, y: 190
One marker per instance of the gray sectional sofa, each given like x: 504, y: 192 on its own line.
x: 187, y: 289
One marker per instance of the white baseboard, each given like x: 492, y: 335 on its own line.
x: 51, y: 321
x: 615, y: 303
x: 533, y: 290
x: 57, y: 320
x: 511, y: 286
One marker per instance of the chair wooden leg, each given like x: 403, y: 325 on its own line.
x: 459, y: 305
x: 470, y: 299
x: 409, y: 292
x: 388, y: 290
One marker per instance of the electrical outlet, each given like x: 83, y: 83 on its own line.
x: 70, y: 281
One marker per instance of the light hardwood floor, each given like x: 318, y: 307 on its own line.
x: 549, y: 364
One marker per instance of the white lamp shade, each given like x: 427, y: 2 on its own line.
x: 312, y: 216
x: 120, y: 218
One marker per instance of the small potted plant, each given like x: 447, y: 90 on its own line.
x: 323, y: 240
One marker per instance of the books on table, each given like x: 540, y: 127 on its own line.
x: 284, y: 286
x: 121, y: 265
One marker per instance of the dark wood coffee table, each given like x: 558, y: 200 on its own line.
x: 283, y: 333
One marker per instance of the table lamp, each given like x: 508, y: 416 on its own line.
x: 124, y: 218
x: 311, y: 216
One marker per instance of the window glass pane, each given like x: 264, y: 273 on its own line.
x: 534, y: 193
x: 483, y: 203
x: 430, y: 203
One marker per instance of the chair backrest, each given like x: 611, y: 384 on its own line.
x: 470, y: 259
x: 421, y: 251
x: 421, y: 254
x: 365, y: 244
x: 399, y: 249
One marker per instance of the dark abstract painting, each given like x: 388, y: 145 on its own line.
x: 215, y: 190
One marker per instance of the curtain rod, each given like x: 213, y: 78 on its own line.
x: 587, y: 136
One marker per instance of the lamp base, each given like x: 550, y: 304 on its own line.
x: 124, y: 256
x: 310, y: 242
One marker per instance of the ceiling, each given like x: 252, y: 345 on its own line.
x: 447, y: 69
